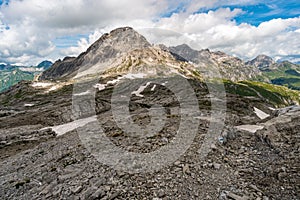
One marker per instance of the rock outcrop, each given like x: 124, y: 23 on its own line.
x: 102, y: 52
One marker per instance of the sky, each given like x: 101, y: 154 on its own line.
x: 35, y: 30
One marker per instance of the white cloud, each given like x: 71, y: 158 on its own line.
x: 80, y: 13
x: 83, y: 44
x: 217, y: 30
x: 196, y: 23
x: 35, y: 24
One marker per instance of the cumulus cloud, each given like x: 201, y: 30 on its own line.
x: 23, y: 42
x: 80, y: 13
x: 217, y: 30
x: 35, y: 24
x: 83, y: 44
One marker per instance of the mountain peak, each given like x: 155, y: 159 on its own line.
x: 121, y: 30
x: 262, y: 62
x: 98, y: 56
x: 125, y: 45
x: 122, y: 38
x: 45, y: 64
x: 263, y: 57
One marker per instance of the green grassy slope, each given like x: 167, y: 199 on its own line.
x: 9, y: 78
x: 277, y: 95
x: 286, y: 74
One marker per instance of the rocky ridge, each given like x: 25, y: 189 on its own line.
x: 262, y: 62
x: 102, y: 52
x: 113, y: 48
x: 229, y: 67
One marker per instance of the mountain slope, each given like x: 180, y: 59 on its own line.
x: 229, y: 67
x: 11, y: 75
x: 99, y: 55
x: 284, y: 73
x: 110, y: 49
x: 9, y: 78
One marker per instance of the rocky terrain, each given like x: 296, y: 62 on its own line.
x: 263, y: 63
x: 229, y: 67
x: 99, y: 55
x: 63, y: 137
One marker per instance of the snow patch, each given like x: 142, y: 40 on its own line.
x: 134, y: 76
x: 112, y: 82
x: 249, y: 128
x: 164, y: 83
x: 153, y: 88
x: 55, y: 87
x: 271, y: 108
x: 140, y: 90
x: 261, y: 114
x: 41, y: 84
x: 100, y: 86
x: 28, y: 104
x: 65, y: 128
x: 82, y: 93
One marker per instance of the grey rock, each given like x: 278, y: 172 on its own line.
x: 236, y: 197
x: 108, y: 47
x: 98, y: 194
x: 77, y: 189
x: 216, y: 165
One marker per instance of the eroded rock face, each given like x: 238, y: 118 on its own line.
x: 262, y: 62
x: 229, y: 67
x: 108, y: 47
x: 106, y: 52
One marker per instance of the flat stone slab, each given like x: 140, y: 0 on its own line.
x: 249, y: 128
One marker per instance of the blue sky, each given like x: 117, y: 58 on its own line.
x: 4, y: 2
x: 68, y: 41
x: 33, y: 30
x: 268, y: 10
x: 255, y: 12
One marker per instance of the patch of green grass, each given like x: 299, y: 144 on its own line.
x: 286, y: 74
x: 277, y: 95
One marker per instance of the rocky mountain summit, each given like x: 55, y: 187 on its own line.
x: 108, y: 51
x: 202, y: 137
x: 262, y: 62
x: 279, y: 73
x: 229, y: 67
x: 108, y: 47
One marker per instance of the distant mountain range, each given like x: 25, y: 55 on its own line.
x: 124, y: 50
x: 12, y: 74
x: 125, y: 47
